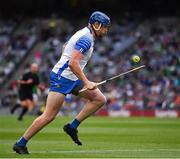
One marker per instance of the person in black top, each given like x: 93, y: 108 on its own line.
x: 28, y: 81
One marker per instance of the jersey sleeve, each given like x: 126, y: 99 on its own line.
x: 83, y: 44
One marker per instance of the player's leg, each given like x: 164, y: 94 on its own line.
x: 22, y: 97
x: 54, y: 102
x: 31, y: 104
x: 24, y: 108
x: 22, y: 113
x: 95, y: 100
x: 28, y: 105
x: 16, y: 106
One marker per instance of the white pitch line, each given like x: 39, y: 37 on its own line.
x: 103, y: 151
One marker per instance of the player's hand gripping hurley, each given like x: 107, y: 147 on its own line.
x: 117, y: 76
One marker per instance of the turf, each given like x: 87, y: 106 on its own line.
x: 102, y: 137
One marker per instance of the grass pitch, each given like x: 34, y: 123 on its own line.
x: 102, y: 137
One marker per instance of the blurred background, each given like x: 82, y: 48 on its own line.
x: 35, y: 31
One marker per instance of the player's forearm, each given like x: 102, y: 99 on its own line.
x: 24, y: 82
x: 76, y: 69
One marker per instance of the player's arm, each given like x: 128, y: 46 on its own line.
x: 29, y: 81
x: 81, y: 47
x: 74, y: 65
x: 25, y: 80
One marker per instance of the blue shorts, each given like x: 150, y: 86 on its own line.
x: 63, y: 85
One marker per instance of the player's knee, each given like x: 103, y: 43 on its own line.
x: 102, y: 100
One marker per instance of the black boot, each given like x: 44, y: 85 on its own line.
x: 72, y: 133
x: 20, y: 149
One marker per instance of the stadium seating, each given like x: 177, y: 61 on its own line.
x: 156, y: 41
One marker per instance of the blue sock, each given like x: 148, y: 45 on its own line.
x: 74, y: 124
x: 22, y: 141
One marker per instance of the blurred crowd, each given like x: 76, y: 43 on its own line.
x: 156, y: 41
x: 13, y: 46
x: 157, y: 86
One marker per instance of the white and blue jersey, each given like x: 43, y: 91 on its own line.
x: 62, y: 79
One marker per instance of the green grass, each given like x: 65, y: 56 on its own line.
x: 102, y: 137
